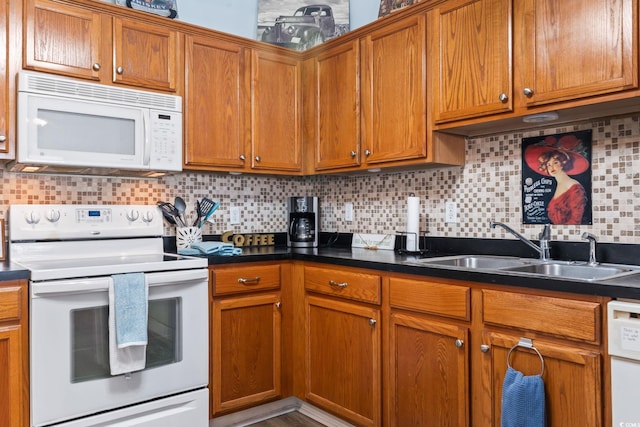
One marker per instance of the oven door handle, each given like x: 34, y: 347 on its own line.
x: 101, y: 284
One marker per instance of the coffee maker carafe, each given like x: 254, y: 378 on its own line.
x: 303, y: 222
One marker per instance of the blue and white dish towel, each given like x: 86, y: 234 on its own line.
x: 128, y: 313
x: 211, y: 248
x: 523, y: 400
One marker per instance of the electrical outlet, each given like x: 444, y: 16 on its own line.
x: 235, y: 215
x: 348, y: 211
x: 450, y: 212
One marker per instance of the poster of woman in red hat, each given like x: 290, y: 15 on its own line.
x: 556, y: 179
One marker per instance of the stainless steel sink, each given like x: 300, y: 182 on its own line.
x: 529, y: 267
x: 573, y: 271
x: 482, y: 262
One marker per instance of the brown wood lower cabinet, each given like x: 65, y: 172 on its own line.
x: 245, y: 346
x: 429, y: 372
x: 14, y: 365
x: 343, y: 344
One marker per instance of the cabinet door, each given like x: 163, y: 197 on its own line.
x: 429, y: 372
x: 572, y: 379
x: 145, y: 55
x: 394, y: 92
x: 343, y: 359
x: 11, y: 381
x: 216, y: 103
x: 62, y: 39
x: 6, y: 85
x: 575, y: 49
x: 245, y: 348
x: 276, y: 112
x: 470, y: 46
x: 336, y: 110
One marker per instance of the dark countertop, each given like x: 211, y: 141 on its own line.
x: 11, y: 271
x: 339, y: 253
x: 390, y: 261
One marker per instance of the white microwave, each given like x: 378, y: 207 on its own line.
x: 66, y: 125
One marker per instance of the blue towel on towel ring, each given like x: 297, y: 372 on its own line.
x: 522, y: 400
x: 130, y: 307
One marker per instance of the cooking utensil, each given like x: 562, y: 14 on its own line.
x: 181, y: 206
x: 171, y: 213
x: 196, y: 223
x: 208, y: 207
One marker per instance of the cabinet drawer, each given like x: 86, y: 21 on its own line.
x: 573, y: 319
x: 245, y: 279
x: 10, y: 303
x: 431, y: 297
x: 346, y: 284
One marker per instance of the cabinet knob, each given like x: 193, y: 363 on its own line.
x: 242, y: 157
x: 367, y: 152
x: 119, y: 70
x: 459, y: 343
x: 352, y: 154
x: 258, y: 158
x: 96, y: 67
x: 503, y: 98
x: 3, y: 138
x: 528, y: 92
x: 484, y: 348
x: 372, y: 322
x: 278, y: 304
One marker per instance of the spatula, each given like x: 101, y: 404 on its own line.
x: 208, y: 207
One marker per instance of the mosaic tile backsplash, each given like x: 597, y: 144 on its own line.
x: 486, y: 188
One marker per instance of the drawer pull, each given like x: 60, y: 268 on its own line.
x: 249, y: 281
x: 337, y: 285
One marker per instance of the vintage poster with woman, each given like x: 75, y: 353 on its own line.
x: 556, y: 179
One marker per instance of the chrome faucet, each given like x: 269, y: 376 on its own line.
x: 592, y: 247
x: 544, y: 236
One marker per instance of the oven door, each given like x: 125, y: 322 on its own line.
x: 70, y: 374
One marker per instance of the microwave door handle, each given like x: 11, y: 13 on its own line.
x: 147, y: 137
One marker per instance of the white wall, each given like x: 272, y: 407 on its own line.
x: 240, y: 17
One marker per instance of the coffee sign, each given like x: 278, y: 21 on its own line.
x: 240, y: 240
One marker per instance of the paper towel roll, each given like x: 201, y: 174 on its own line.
x: 413, y: 224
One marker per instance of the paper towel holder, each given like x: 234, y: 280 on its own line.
x: 402, y: 237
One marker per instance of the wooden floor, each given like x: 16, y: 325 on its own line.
x: 292, y: 419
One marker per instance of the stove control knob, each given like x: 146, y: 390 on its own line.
x: 147, y: 216
x: 53, y: 215
x: 133, y: 215
x: 32, y: 217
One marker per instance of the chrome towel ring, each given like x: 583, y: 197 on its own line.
x: 526, y: 343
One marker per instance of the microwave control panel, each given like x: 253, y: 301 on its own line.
x: 166, y: 140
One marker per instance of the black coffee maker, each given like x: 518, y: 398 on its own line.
x: 303, y: 222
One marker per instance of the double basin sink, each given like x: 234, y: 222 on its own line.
x: 573, y: 270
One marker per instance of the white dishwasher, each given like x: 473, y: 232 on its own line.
x: 624, y: 349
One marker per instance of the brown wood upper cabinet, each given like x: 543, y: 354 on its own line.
x: 366, y: 103
x: 470, y: 58
x: 332, y: 107
x: 9, y: 48
x: 276, y: 112
x: 560, y: 54
x: 243, y: 108
x: 217, y: 97
x: 575, y: 49
x: 394, y: 98
x: 81, y: 42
